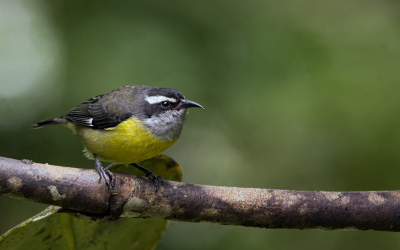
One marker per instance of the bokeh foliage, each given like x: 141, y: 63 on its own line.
x: 298, y: 94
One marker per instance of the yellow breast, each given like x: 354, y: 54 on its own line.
x: 126, y: 143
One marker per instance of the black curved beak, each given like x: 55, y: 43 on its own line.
x: 189, y: 104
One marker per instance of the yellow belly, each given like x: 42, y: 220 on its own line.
x: 126, y: 143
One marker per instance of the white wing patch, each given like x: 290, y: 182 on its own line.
x: 84, y: 121
x: 158, y: 99
x: 89, y: 121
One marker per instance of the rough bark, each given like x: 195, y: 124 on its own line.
x: 80, y: 190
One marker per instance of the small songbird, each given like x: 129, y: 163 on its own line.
x: 127, y: 125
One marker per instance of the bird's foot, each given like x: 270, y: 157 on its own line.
x: 155, y: 179
x: 105, y: 173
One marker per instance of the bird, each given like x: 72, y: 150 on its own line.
x: 128, y: 125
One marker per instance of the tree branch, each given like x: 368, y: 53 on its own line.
x: 80, y: 190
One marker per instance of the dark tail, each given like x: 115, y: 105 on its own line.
x: 45, y: 123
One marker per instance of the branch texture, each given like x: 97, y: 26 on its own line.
x: 80, y: 190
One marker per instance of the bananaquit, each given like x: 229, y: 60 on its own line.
x: 127, y: 125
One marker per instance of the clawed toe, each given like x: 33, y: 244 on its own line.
x: 105, y: 173
x: 155, y: 179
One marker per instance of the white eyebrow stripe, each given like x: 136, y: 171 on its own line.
x: 158, y: 99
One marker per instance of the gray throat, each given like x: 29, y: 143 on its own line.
x: 167, y: 126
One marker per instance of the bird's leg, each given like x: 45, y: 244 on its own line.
x: 108, y: 176
x: 156, y: 179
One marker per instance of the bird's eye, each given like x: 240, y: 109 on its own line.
x: 165, y: 104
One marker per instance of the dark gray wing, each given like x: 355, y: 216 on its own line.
x: 99, y: 113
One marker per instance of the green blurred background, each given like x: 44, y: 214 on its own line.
x: 299, y: 95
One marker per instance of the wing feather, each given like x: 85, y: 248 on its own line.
x: 98, y: 113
